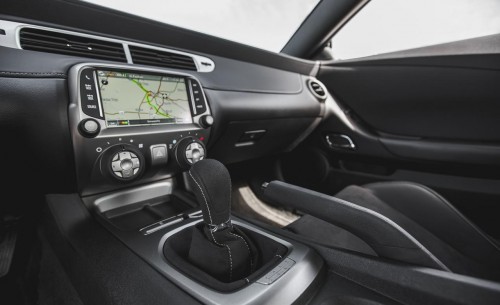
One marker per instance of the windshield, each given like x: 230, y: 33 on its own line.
x: 265, y: 24
x: 384, y: 26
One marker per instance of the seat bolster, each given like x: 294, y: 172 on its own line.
x: 434, y: 213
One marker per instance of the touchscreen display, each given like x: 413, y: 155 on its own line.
x: 130, y: 98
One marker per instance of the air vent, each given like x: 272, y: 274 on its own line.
x: 161, y: 58
x: 67, y: 44
x: 317, y: 89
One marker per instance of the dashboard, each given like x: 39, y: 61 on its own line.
x: 138, y: 113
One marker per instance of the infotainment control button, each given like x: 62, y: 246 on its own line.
x: 89, y: 128
x: 88, y: 94
x: 198, y: 98
x: 206, y: 120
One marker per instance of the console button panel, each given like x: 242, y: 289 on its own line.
x: 199, y: 103
x: 150, y: 146
x: 159, y: 154
x: 102, y: 163
x: 89, y: 95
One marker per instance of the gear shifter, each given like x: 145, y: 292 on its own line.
x: 212, y: 188
x: 218, y: 247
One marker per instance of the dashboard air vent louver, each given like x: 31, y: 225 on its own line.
x: 317, y: 89
x: 67, y: 44
x: 153, y: 57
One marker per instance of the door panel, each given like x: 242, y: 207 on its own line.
x: 430, y: 116
x: 430, y: 102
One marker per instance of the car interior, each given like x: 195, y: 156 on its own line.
x: 148, y: 163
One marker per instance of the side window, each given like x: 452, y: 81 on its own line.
x: 384, y: 26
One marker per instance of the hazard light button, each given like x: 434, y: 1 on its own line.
x: 159, y: 154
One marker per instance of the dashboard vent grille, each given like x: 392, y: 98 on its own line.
x: 317, y: 89
x: 67, y: 44
x: 161, y: 58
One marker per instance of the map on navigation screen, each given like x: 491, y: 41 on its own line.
x: 142, y: 99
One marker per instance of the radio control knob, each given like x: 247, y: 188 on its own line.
x: 189, y: 151
x: 89, y: 128
x: 206, y: 120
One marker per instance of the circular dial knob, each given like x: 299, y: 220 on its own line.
x: 206, y: 121
x: 189, y: 151
x: 123, y: 162
x: 89, y: 128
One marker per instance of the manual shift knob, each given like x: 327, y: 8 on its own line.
x: 211, y: 185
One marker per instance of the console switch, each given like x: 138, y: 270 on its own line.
x: 159, y: 154
x: 89, y: 95
x: 198, y: 98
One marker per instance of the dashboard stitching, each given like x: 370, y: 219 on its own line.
x: 39, y: 74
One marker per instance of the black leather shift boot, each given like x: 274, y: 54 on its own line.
x: 228, y: 255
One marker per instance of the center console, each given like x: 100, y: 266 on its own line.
x: 135, y: 131
x: 284, y: 280
x: 132, y: 126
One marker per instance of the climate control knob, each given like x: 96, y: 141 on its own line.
x: 123, y: 162
x: 189, y: 151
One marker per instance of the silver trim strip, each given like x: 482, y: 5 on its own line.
x: 11, y: 40
x: 127, y: 53
x: 98, y: 93
x: 133, y: 195
x: 395, y: 226
x: 243, y: 144
x: 176, y: 219
x: 351, y: 143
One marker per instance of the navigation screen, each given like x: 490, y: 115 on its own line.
x: 130, y: 98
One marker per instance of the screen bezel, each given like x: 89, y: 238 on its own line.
x: 141, y: 72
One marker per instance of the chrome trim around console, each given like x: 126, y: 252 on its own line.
x: 133, y: 195
x: 284, y: 290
